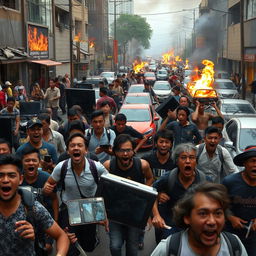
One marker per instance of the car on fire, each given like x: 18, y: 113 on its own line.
x: 239, y: 133
x: 143, y: 118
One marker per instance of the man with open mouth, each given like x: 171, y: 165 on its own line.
x: 16, y: 232
x: 78, y: 177
x: 201, y: 213
x: 172, y: 186
x: 213, y: 159
x: 242, y: 191
x: 124, y: 164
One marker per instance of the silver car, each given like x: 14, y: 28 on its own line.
x: 239, y: 133
x: 226, y: 88
x: 162, y: 89
x: 162, y: 74
x: 235, y: 108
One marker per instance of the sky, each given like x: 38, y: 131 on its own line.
x: 169, y: 30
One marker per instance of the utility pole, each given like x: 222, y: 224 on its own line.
x: 242, y: 48
x: 115, y: 45
x: 71, y: 43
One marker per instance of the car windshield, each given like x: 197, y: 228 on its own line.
x: 225, y: 85
x: 247, y: 137
x: 142, y: 115
x: 107, y: 74
x: 149, y: 74
x: 158, y: 86
x: 136, y: 89
x: 238, y: 108
x: 137, y: 100
x: 162, y: 72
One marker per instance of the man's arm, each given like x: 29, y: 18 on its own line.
x: 107, y: 164
x: 62, y: 241
x: 217, y: 110
x: 228, y: 165
x: 164, y: 123
x: 55, y: 205
x: 17, y: 123
x: 147, y: 172
x: 194, y: 115
x: 140, y: 144
x: 49, y: 186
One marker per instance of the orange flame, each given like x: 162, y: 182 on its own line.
x: 186, y: 66
x: 202, y: 86
x: 91, y: 44
x: 138, y: 66
x: 37, y: 42
x: 167, y: 58
x: 77, y: 38
x: 178, y: 59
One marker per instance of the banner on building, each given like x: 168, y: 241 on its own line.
x: 38, y: 43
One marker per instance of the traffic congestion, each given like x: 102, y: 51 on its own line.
x: 127, y: 128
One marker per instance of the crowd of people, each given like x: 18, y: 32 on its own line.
x: 206, y: 199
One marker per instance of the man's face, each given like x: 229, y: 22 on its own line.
x: 52, y: 84
x: 10, y: 179
x: 45, y: 126
x: 250, y: 168
x: 4, y: 149
x: 106, y: 109
x: 163, y: 146
x: 35, y: 133
x: 211, y: 141
x: 120, y: 126
x: 201, y: 107
x: 182, y: 116
x: 98, y: 123
x: 183, y: 102
x: 30, y: 164
x: 10, y: 105
x: 125, y: 154
x: 77, y: 150
x: 206, y: 221
x: 187, y: 163
x: 73, y: 118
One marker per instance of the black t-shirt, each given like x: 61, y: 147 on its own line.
x: 157, y: 168
x: 243, y: 201
x: 128, y: 130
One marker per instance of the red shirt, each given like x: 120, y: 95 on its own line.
x: 2, y: 99
x: 106, y: 98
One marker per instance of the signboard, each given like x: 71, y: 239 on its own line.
x: 250, y: 57
x: 38, y: 44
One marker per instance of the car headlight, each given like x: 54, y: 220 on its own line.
x: 148, y: 131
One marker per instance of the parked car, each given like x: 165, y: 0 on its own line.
x: 162, y: 74
x: 162, y: 89
x: 135, y: 88
x: 138, y: 98
x: 221, y: 74
x: 225, y: 88
x: 143, y: 118
x: 150, y: 77
x: 239, y: 133
x: 110, y: 76
x: 236, y: 107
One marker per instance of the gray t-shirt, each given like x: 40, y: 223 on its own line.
x: 161, y: 249
x: 85, y: 181
x: 10, y: 241
x: 95, y: 142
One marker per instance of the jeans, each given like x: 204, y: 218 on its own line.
x: 118, y: 234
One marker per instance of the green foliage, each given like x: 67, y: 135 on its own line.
x: 132, y: 26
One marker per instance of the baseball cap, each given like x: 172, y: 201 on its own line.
x: 33, y: 122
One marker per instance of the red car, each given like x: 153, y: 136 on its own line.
x: 143, y: 118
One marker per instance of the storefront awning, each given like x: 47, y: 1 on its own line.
x: 46, y: 62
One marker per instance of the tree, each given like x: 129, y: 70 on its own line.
x: 130, y: 27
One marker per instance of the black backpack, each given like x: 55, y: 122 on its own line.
x: 173, y: 245
x: 28, y: 199
x: 89, y: 134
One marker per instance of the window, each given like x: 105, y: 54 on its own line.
x: 40, y: 12
x: 62, y: 18
x: 12, y: 4
x: 250, y: 9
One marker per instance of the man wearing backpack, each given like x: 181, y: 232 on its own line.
x: 124, y: 164
x: 172, y: 185
x: 100, y: 139
x: 78, y: 177
x: 213, y: 159
x: 201, y: 213
x: 241, y: 188
x: 21, y: 217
